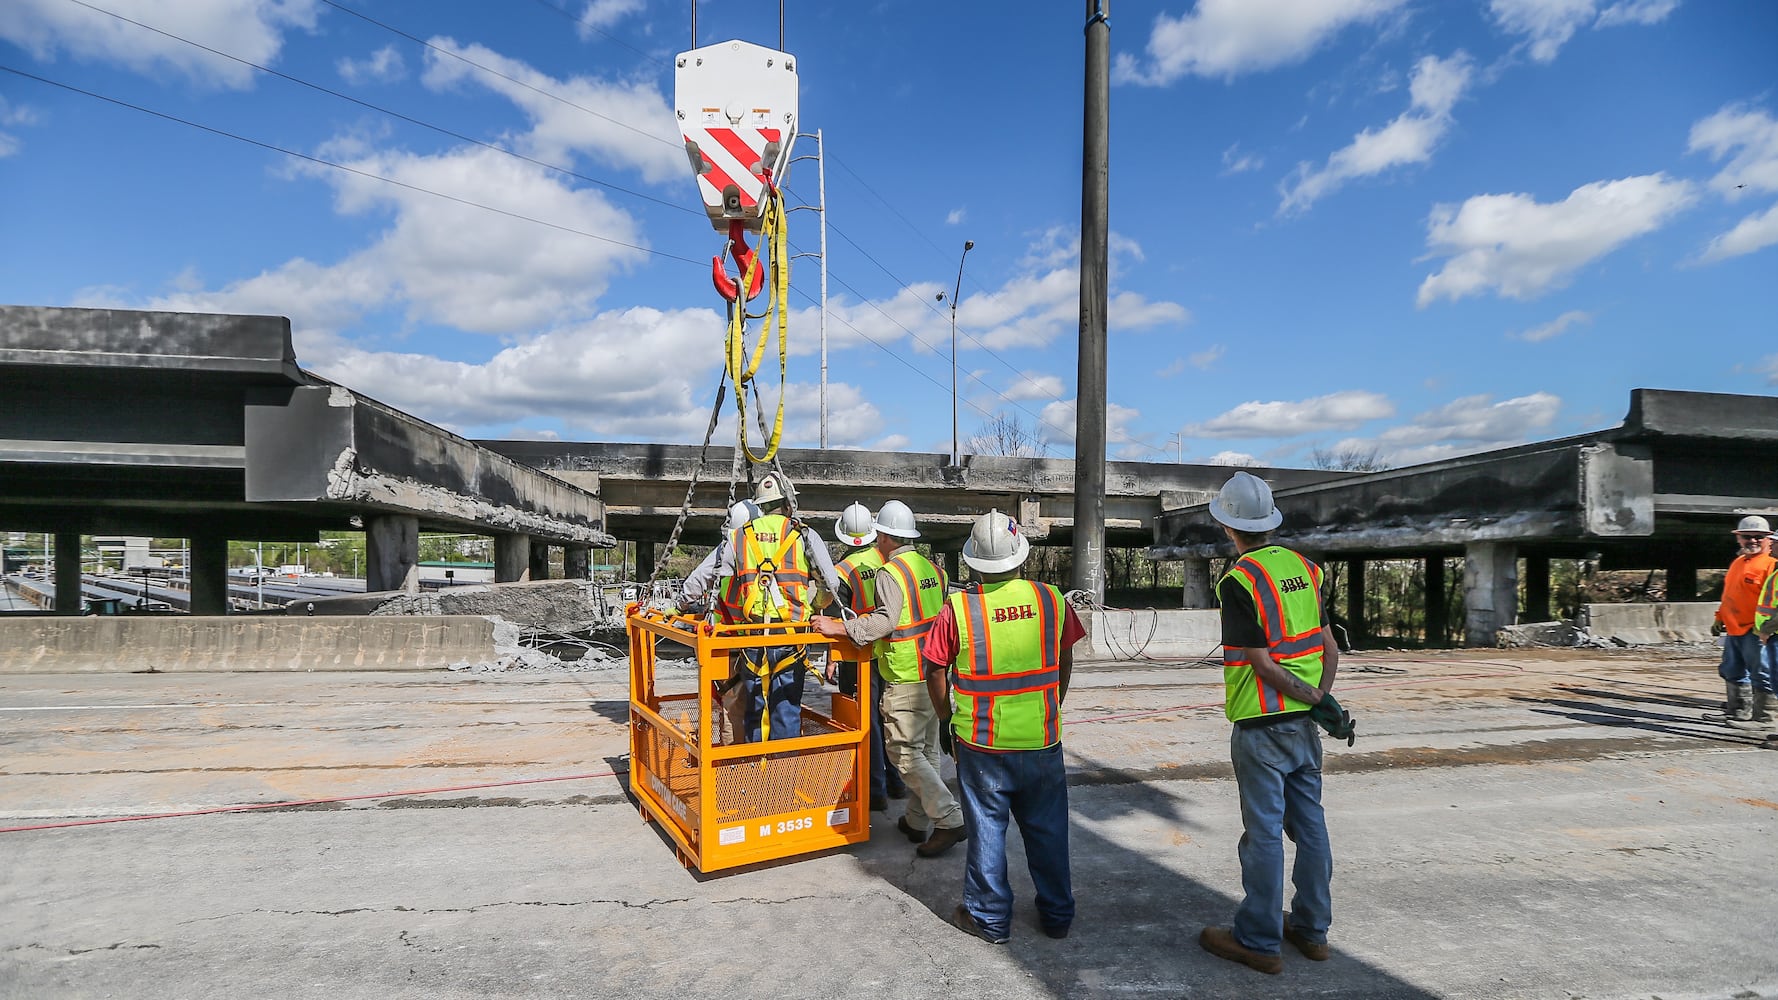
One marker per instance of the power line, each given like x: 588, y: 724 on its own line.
x: 490, y: 70
x: 340, y: 166
x: 393, y: 114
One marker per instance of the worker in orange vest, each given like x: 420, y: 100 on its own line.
x: 1734, y: 616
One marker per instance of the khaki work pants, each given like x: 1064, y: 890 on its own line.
x: 911, y: 732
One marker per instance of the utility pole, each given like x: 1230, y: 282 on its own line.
x: 820, y: 159
x: 1089, y: 403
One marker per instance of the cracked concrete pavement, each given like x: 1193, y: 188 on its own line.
x: 1531, y: 824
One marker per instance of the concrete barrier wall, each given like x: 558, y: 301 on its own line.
x: 169, y: 643
x: 1160, y: 635
x: 1648, y: 624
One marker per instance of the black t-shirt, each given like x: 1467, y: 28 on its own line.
x: 1240, y: 618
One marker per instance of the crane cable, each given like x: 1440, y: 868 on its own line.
x: 742, y: 367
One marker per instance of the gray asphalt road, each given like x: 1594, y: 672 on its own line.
x: 1506, y: 827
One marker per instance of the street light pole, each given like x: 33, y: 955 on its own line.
x: 968, y: 245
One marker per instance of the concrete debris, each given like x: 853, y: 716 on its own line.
x: 1531, y: 634
x: 557, y: 605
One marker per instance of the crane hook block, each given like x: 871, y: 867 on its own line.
x: 736, y: 104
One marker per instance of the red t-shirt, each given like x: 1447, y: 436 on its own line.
x: 941, y: 643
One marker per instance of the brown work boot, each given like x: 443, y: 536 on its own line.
x: 1314, y: 951
x: 943, y: 839
x: 910, y: 831
x: 1220, y: 941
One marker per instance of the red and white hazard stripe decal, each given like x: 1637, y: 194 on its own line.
x: 733, y: 156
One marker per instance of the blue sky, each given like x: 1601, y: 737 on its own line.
x: 1422, y: 227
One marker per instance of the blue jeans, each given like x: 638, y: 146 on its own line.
x: 1740, y: 659
x: 785, y: 691
x: 883, y: 778
x: 1031, y: 787
x: 1765, y: 676
x: 1278, y: 772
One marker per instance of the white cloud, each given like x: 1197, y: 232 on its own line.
x: 1207, y: 357
x: 1224, y: 38
x: 1642, y: 12
x: 625, y: 125
x: 1031, y: 309
x: 385, y: 65
x: 1547, y: 25
x: 1756, y: 232
x: 16, y: 114
x: 1411, y: 137
x: 1034, y: 385
x: 954, y: 217
x: 1335, y: 411
x: 1519, y: 248
x: 1239, y: 458
x: 1769, y: 368
x: 1554, y: 328
x: 1236, y: 162
x: 250, y: 29
x: 1751, y: 135
x: 1056, y: 423
x: 891, y: 442
x: 1463, y: 426
x: 1173, y: 368
x: 445, y: 262
x: 605, y: 13
x: 1748, y: 138
x: 9, y: 145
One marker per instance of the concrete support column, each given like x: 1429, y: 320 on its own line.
x: 1198, y: 588
x: 209, y: 575
x: 1490, y: 590
x: 1437, y: 626
x: 392, y: 553
x: 68, y: 599
x: 1355, y: 623
x: 1682, y: 582
x: 512, y: 558
x: 577, y: 562
x: 539, y: 560
x: 644, y: 561
x: 1537, y: 588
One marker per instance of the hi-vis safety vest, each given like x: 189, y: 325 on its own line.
x: 858, y: 572
x: 922, y: 595
x: 1768, y: 603
x: 1286, y: 589
x: 771, y: 580
x: 1007, y: 680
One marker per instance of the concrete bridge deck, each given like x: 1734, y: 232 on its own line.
x: 1508, y: 826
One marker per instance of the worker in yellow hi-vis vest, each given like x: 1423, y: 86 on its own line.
x: 1279, y: 659
x: 856, y: 529
x: 910, y: 591
x: 1001, y: 655
x: 774, y: 570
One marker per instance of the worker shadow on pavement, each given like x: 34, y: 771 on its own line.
x: 1132, y: 846
x: 1619, y: 711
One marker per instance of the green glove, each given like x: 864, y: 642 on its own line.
x: 1334, y: 720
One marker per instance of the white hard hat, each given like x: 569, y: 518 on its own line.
x: 855, y: 527
x: 995, y: 544
x: 741, y: 513
x: 1245, y: 504
x: 1753, y: 524
x: 773, y: 489
x: 895, y: 519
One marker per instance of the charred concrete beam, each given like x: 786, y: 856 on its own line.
x: 1563, y: 490
x: 132, y: 339
x: 326, y: 444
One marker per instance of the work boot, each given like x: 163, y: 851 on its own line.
x: 961, y: 919
x: 1744, y: 710
x: 1759, y: 715
x: 910, y: 831
x: 1220, y: 941
x: 1314, y: 951
x: 1734, y: 705
x: 943, y: 839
